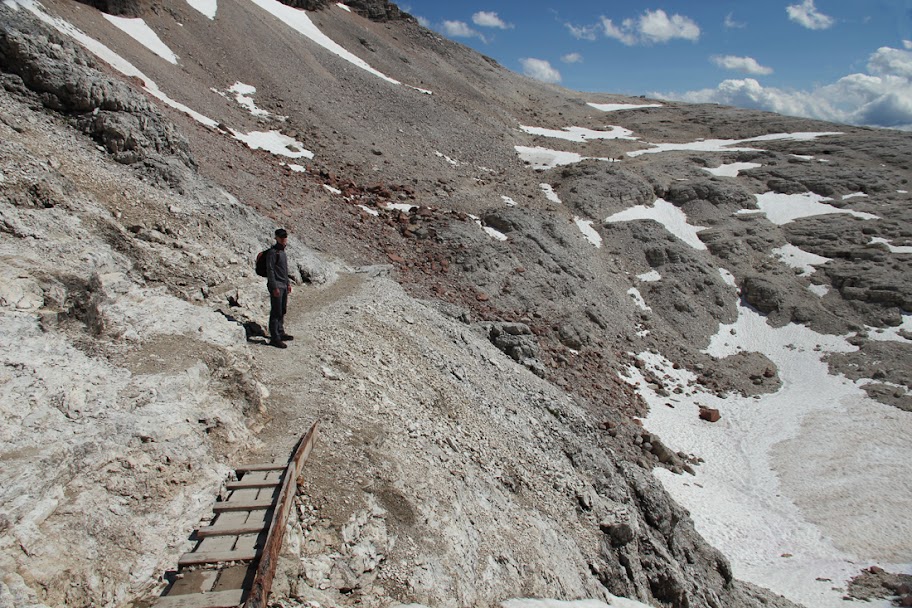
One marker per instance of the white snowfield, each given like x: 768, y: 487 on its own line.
x: 663, y: 212
x: 782, y: 493
x: 652, y: 276
x: 143, y: 34
x: 274, y: 142
x: 784, y: 208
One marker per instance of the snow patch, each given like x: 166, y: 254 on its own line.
x: 846, y: 197
x: 892, y: 334
x: 206, y: 7
x: 404, y: 207
x: 728, y: 277
x: 585, y: 226
x: 819, y: 290
x: 344, y: 7
x: 581, y: 134
x: 138, y: 30
x: 550, y: 194
x: 732, y: 169
x: 784, y: 208
x: 329, y: 188
x: 370, y: 211
x: 543, y: 158
x: 274, y: 143
x: 509, y: 201
x: 617, y: 107
x: 663, y: 212
x: 650, y: 277
x: 243, y: 94
x: 455, y: 163
x: 729, y: 145
x: 638, y: 298
x: 893, y: 248
x: 297, y: 168
x: 491, y: 232
x: 799, y: 259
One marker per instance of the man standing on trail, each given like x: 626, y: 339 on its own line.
x: 279, y: 287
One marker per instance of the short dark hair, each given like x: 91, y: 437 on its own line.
x: 281, y: 233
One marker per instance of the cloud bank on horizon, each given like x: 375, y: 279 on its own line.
x: 658, y: 51
x: 881, y: 96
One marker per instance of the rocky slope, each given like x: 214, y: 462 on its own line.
x: 478, y: 443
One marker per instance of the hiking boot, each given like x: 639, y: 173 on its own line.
x: 287, y: 337
x: 278, y: 344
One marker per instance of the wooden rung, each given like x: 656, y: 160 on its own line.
x: 231, y: 530
x: 243, y: 505
x: 214, y: 557
x: 275, y: 466
x: 217, y: 599
x: 259, y: 483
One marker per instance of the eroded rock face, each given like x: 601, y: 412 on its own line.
x: 120, y: 8
x: 108, y: 110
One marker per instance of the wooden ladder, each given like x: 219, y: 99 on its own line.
x: 235, y: 557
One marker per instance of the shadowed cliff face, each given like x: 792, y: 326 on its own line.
x: 480, y: 439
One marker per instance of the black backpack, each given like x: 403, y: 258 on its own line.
x: 261, y: 259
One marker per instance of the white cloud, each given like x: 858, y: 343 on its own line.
x: 489, y: 19
x: 807, y: 15
x: 460, y: 29
x: 572, y: 58
x: 582, y: 32
x: 907, y: 44
x: 624, y: 34
x: 741, y: 64
x: 423, y: 21
x: 539, y: 69
x: 882, y: 97
x: 730, y: 22
x: 649, y: 28
x: 657, y: 26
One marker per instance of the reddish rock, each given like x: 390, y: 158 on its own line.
x: 482, y: 297
x: 395, y: 257
x: 709, y: 414
x: 905, y: 600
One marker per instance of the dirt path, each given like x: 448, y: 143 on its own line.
x: 294, y: 376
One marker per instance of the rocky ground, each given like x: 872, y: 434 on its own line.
x: 477, y: 442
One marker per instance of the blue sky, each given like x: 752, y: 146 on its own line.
x: 843, y: 60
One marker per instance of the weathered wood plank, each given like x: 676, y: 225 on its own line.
x: 196, y: 558
x: 234, y: 577
x: 273, y: 466
x: 253, y: 483
x: 216, y: 544
x: 194, y: 581
x: 242, y: 505
x: 218, y: 599
x: 231, y: 530
x: 262, y: 582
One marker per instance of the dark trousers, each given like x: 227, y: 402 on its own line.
x: 277, y: 308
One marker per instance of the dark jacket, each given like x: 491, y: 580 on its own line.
x: 276, y: 270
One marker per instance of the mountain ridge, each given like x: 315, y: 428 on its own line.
x: 543, y: 297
